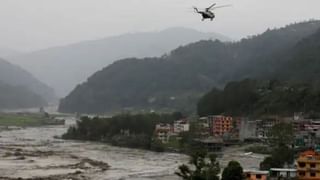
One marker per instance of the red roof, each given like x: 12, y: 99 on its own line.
x: 309, y: 153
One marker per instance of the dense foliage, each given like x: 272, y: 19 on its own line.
x: 281, y: 137
x: 126, y: 130
x: 281, y: 134
x: 12, y: 97
x: 179, y: 79
x: 233, y: 171
x: 281, y: 156
x: 251, y: 97
x: 201, y: 167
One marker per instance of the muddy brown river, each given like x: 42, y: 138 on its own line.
x: 30, y: 153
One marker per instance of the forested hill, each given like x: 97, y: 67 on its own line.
x: 302, y: 63
x: 258, y: 98
x: 177, y: 80
x: 76, y: 62
x: 15, y: 76
x: 12, y: 97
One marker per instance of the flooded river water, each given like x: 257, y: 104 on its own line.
x: 33, y: 152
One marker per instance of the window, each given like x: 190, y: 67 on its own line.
x: 301, y: 164
x: 312, y: 174
x: 302, y: 173
x: 258, y: 176
x: 248, y: 175
x: 313, y: 165
x: 274, y: 174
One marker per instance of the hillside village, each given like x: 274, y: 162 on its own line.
x: 219, y: 131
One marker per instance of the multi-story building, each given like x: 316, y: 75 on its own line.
x: 313, y: 126
x: 163, y: 132
x: 203, y: 127
x: 256, y: 175
x: 280, y: 173
x: 181, y: 126
x: 264, y: 126
x: 247, y: 130
x: 308, y: 165
x: 220, y: 125
x: 307, y: 132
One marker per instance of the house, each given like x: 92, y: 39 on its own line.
x: 220, y: 125
x: 308, y: 167
x: 313, y: 127
x: 255, y: 175
x: 204, y: 127
x: 279, y: 173
x: 181, y: 126
x: 307, y: 132
x: 264, y: 126
x: 163, y: 132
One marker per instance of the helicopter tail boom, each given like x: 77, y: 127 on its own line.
x: 196, y: 9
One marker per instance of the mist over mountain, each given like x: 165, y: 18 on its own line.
x: 7, y: 52
x: 176, y: 81
x: 64, y: 67
x: 12, y: 97
x: 15, y: 76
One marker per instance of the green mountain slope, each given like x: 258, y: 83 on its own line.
x: 299, y: 67
x: 177, y: 80
x: 257, y: 98
x: 302, y: 63
x: 15, y: 76
x: 12, y: 97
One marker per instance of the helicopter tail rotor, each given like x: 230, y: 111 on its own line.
x: 196, y: 9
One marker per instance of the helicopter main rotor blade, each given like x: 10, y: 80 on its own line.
x: 217, y: 7
x: 211, y: 6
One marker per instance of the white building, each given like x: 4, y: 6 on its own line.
x: 247, y: 130
x: 163, y: 132
x: 181, y: 126
x: 280, y: 173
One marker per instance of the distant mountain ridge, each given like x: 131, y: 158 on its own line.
x: 64, y: 67
x: 177, y: 80
x: 15, y: 76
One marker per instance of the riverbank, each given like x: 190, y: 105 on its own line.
x: 124, y: 130
x: 27, y: 120
x: 51, y: 158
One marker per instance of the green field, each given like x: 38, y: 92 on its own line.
x: 21, y: 120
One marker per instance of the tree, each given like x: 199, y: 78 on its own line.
x: 177, y: 115
x: 233, y: 171
x: 281, y: 134
x: 206, y: 167
x: 280, y: 156
x: 270, y: 162
x: 157, y: 145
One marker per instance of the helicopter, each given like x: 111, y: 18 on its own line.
x: 207, y: 13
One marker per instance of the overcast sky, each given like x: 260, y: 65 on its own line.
x: 28, y: 25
